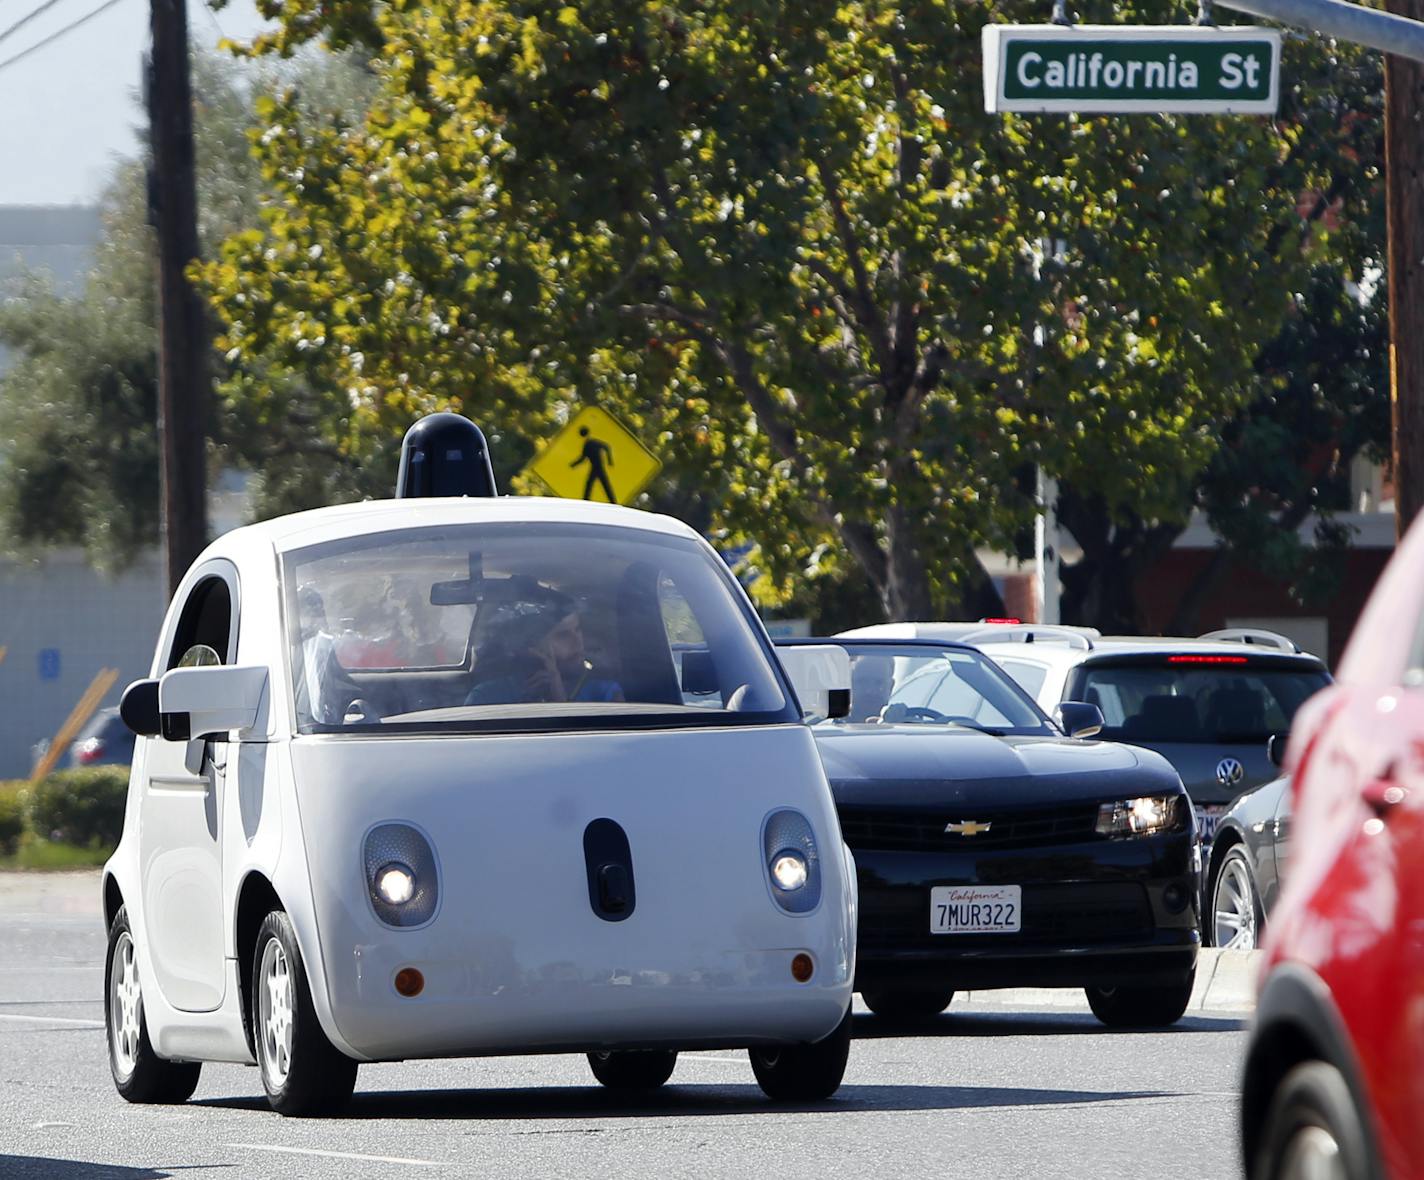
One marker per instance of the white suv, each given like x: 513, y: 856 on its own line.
x: 1209, y: 705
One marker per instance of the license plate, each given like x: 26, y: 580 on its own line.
x: 1207, y: 818
x: 976, y: 909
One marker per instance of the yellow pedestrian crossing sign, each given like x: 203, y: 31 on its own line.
x: 596, y: 457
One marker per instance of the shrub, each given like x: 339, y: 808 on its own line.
x: 84, y: 806
x: 12, y: 818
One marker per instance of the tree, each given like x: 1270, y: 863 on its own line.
x: 1319, y: 392
x: 784, y: 239
x: 78, y: 406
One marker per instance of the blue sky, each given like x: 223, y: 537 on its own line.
x: 72, y: 106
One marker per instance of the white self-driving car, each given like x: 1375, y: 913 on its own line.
x: 448, y: 777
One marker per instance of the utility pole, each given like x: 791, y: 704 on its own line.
x: 183, y: 391
x: 1404, y: 181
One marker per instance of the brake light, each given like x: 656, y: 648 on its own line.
x: 1010, y: 621
x: 1207, y: 660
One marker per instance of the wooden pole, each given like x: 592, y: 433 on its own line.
x: 183, y: 380
x: 1404, y: 181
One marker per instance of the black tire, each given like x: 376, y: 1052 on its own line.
x: 303, y: 1073
x: 633, y: 1069
x: 1137, y: 1006
x: 1236, y: 884
x: 1312, y: 1115
x: 907, y: 1007
x: 140, y: 1074
x: 804, y: 1073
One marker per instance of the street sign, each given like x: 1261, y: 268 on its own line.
x: 596, y: 457
x: 1123, y: 69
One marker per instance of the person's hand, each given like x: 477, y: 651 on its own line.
x: 546, y: 682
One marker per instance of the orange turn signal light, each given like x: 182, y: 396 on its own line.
x: 409, y: 982
x: 802, y: 968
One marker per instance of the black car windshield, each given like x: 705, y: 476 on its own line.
x: 1195, y: 699
x: 926, y: 684
x: 531, y: 626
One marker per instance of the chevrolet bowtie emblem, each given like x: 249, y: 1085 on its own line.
x: 969, y: 827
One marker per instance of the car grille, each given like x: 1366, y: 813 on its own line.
x: 1070, y: 914
x: 890, y: 831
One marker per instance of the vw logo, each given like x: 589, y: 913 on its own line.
x: 1229, y: 772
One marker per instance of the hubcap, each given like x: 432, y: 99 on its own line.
x: 274, y: 1012
x: 1235, y: 908
x: 125, y: 1007
x: 1312, y: 1154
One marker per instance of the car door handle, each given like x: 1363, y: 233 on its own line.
x: 1383, y: 795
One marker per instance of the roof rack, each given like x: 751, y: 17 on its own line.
x: 1076, y: 637
x: 1253, y: 636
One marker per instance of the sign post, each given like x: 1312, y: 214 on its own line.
x: 1125, y: 69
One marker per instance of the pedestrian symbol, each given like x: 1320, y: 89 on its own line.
x: 595, y: 457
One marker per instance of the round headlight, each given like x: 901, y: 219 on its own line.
x: 395, y: 883
x: 789, y: 871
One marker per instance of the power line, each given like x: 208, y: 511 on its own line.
x: 24, y: 20
x: 55, y: 36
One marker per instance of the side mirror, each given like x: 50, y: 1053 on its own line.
x: 817, y: 671
x: 209, y: 702
x: 1276, y: 748
x: 138, y: 708
x: 699, y: 672
x: 1078, y: 719
x: 837, y: 703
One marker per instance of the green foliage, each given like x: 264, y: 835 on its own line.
x: 785, y: 241
x: 78, y: 406
x: 83, y: 807
x: 12, y: 819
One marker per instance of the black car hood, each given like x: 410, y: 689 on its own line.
x: 914, y: 765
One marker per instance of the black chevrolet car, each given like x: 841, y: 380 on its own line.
x: 993, y: 848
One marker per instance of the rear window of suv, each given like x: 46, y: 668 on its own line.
x: 1196, y: 699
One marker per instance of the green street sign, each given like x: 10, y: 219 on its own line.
x: 1121, y: 69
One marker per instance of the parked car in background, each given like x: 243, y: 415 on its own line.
x: 1208, y: 705
x: 1247, y: 863
x: 992, y: 849
x: 105, y: 741
x: 1333, y: 1084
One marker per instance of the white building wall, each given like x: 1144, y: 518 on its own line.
x: 61, y: 622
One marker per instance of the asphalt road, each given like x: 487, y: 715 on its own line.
x: 994, y: 1088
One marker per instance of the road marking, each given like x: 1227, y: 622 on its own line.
x: 52, y: 1020
x: 336, y: 1155
x: 718, y: 1060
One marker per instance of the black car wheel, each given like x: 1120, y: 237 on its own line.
x: 1139, y: 1006
x: 906, y: 1006
x: 1313, y: 1131
x: 804, y: 1073
x: 302, y: 1072
x: 140, y: 1074
x: 633, y: 1069
x: 1235, y: 922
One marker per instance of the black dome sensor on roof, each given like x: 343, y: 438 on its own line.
x: 444, y: 455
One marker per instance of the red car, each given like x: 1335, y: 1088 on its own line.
x: 1334, y: 1083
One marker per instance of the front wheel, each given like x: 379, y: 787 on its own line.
x: 1236, y: 921
x: 1139, y: 1006
x: 1313, y: 1129
x: 140, y: 1074
x: 302, y: 1072
x: 905, y: 1006
x: 804, y: 1073
x: 633, y: 1069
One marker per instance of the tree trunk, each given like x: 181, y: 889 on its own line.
x: 1100, y: 590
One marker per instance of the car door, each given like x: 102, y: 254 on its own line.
x: 180, y: 836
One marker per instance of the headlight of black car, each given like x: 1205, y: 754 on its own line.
x: 1143, y: 817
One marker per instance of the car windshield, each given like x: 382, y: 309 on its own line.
x: 1188, y: 699
x: 922, y: 684
x: 503, y: 626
